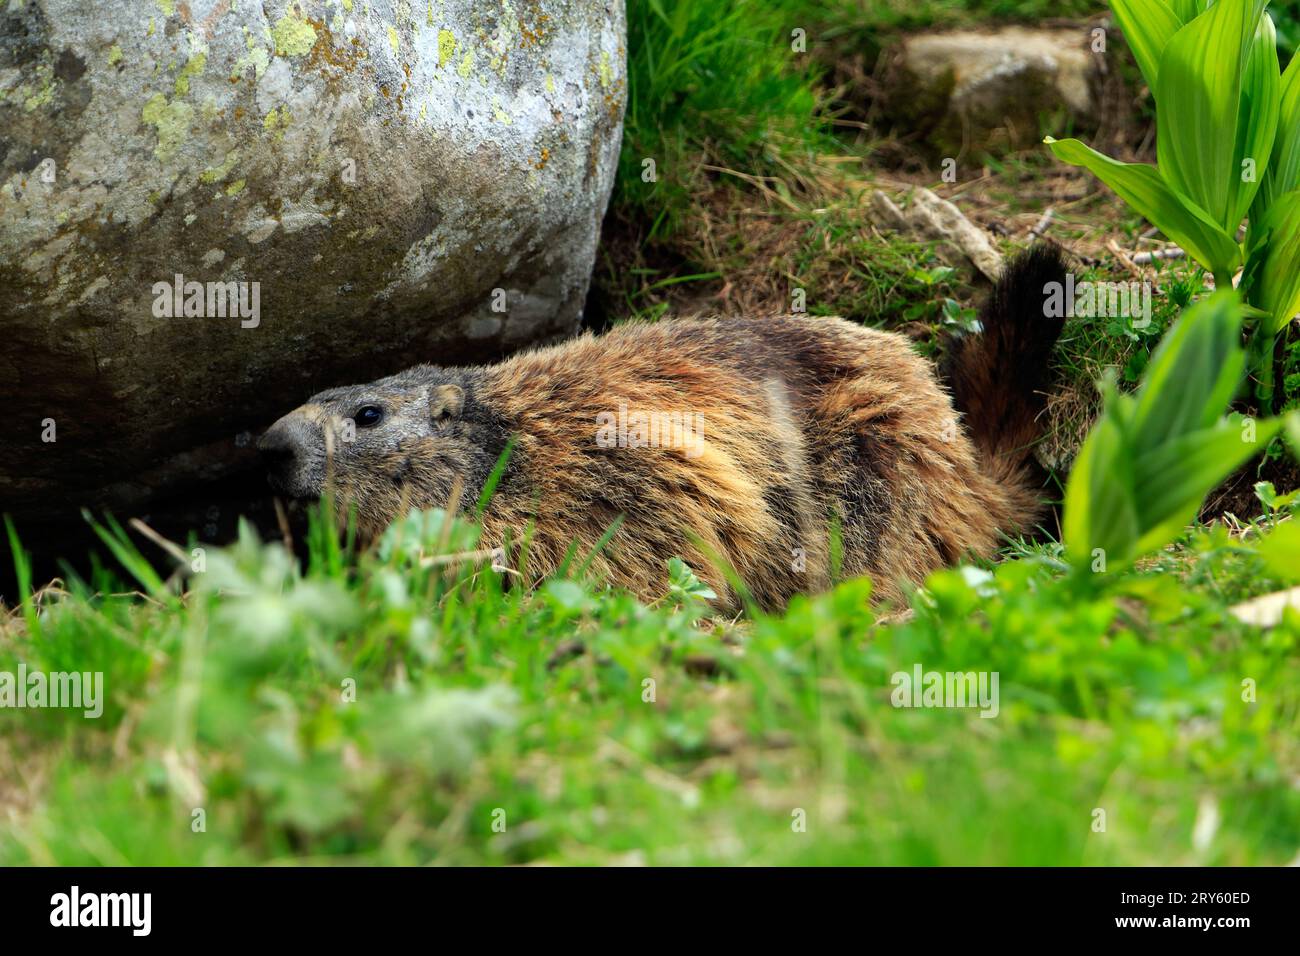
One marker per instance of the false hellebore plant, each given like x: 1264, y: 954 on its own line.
x: 1151, y: 458
x: 1227, y: 147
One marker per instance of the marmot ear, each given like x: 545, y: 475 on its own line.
x: 445, y: 403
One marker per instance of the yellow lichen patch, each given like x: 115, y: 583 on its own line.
x: 170, y: 120
x: 114, y: 55
x: 276, y: 122
x: 168, y: 7
x: 466, y: 64
x: 500, y: 115
x: 293, y: 36
x: 235, y: 188
x: 37, y: 94
x: 605, y: 71
x: 446, y: 47
x: 214, y: 173
x: 393, y: 40
x: 257, y: 58
x: 192, y: 68
x: 550, y: 83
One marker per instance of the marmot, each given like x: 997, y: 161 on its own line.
x: 737, y: 440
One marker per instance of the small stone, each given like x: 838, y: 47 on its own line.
x: 989, y: 90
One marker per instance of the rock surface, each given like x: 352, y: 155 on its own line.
x: 387, y: 181
x: 989, y: 89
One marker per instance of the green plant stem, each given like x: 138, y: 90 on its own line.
x: 1266, y: 385
x: 1260, y: 352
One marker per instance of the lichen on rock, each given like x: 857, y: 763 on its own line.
x: 378, y: 192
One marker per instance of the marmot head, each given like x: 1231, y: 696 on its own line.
x: 397, y: 443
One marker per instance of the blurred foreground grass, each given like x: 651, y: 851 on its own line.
x: 398, y: 707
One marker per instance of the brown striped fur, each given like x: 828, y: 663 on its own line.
x: 806, y: 422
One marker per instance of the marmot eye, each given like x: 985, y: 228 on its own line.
x: 368, y: 416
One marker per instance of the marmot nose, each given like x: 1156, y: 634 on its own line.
x: 279, y: 449
x: 277, y: 445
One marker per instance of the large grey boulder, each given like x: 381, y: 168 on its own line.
x: 385, y: 182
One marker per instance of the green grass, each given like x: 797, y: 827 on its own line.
x: 590, y: 728
x: 716, y: 84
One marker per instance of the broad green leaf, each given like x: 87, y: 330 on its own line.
x: 1276, y: 251
x: 568, y: 596
x: 1188, y: 10
x: 1266, y: 493
x: 1198, y: 99
x: 1271, y: 500
x: 1142, y: 188
x: 684, y: 585
x: 1280, y: 550
x: 1149, y: 462
x: 1099, y: 500
x: 1256, y: 120
x: 1148, y: 26
x: 1283, y: 172
x: 1193, y: 374
x: 1171, y: 480
x: 1293, y: 432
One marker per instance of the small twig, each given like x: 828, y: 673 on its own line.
x: 958, y: 190
x: 55, y: 587
x: 652, y: 773
x: 759, y: 182
x: 1146, y: 258
x: 450, y: 513
x: 464, y: 557
x: 283, y: 519
x: 137, y: 594
x: 1043, y: 224
x: 1122, y: 256
x: 122, y: 738
x: 459, y: 558
x: 169, y: 546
